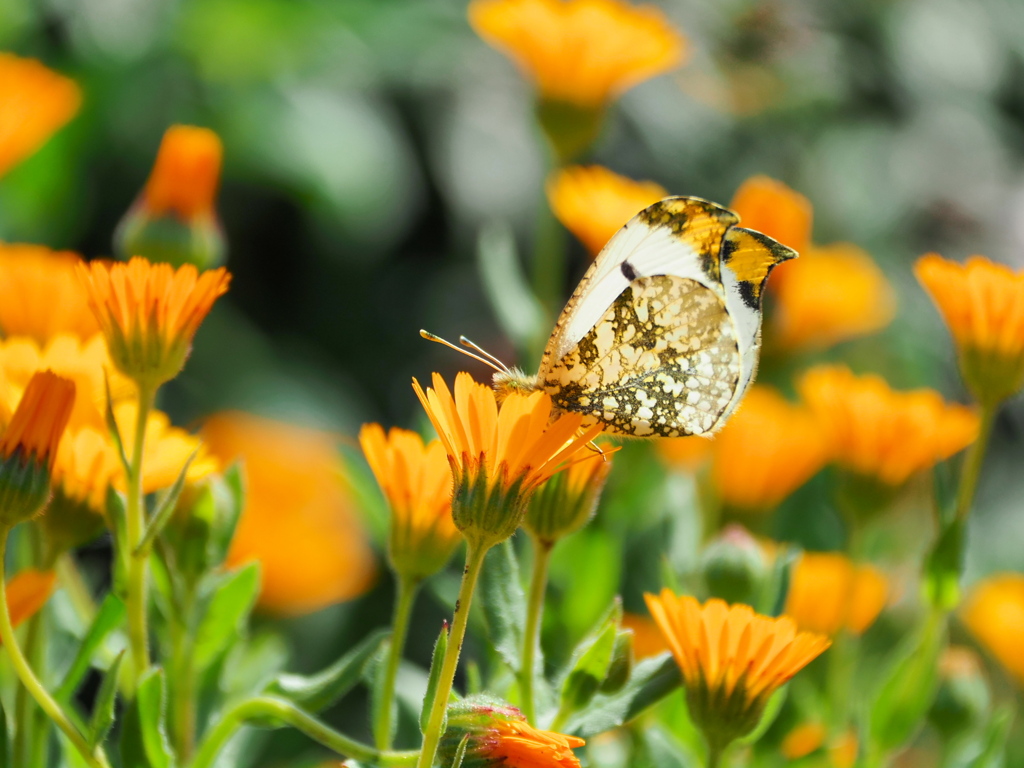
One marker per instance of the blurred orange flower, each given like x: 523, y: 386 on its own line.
x: 27, y: 591
x: 983, y: 305
x: 685, y: 454
x: 40, y: 294
x: 583, y: 52
x: 994, y: 613
x: 829, y: 592
x: 768, y: 449
x: 875, y: 431
x: 185, y: 175
x: 86, y: 466
x: 774, y: 209
x: 593, y: 203
x: 803, y: 740
x: 647, y: 638
x: 35, y: 102
x: 299, y: 521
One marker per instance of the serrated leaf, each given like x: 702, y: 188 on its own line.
x: 103, y: 708
x: 436, y: 662
x: 226, y: 613
x: 143, y: 736
x: 110, y: 616
x: 504, y: 603
x: 316, y: 692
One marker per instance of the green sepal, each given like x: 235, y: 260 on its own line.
x: 436, y: 662
x: 460, y: 753
x: 103, y: 709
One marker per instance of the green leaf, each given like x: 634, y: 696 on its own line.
x: 436, y: 662
x: 229, y: 497
x: 993, y: 750
x: 143, y: 737
x: 943, y: 567
x: 378, y: 715
x: 517, y: 309
x: 316, y: 692
x: 103, y: 709
x: 109, y: 617
x: 112, y: 428
x: 621, y: 666
x: 226, y: 613
x: 504, y: 603
x: 165, y: 509
x: 589, y: 671
x: 653, y: 679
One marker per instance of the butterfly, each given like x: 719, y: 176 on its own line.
x: 662, y: 335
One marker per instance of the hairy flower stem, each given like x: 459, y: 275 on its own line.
x: 531, y: 634
x: 475, y: 553
x: 93, y: 758
x: 274, y: 708
x: 404, y: 598
x: 137, y: 598
x: 972, y: 463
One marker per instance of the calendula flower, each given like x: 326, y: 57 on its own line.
x: 27, y: 592
x: 28, y: 446
x: 769, y: 206
x: 994, y: 614
x: 593, y: 203
x: 647, y: 638
x: 174, y: 218
x: 876, y: 432
x: 767, y: 450
x: 149, y: 313
x: 417, y: 482
x: 498, y: 735
x: 499, y: 456
x: 567, y: 501
x: 686, y: 454
x: 803, y: 740
x: 829, y: 592
x: 832, y: 293
x: 731, y: 658
x: 41, y: 295
x: 35, y: 102
x: 300, y: 521
x: 983, y: 305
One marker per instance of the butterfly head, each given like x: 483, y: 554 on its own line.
x: 512, y: 381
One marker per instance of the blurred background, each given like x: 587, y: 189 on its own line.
x: 368, y: 143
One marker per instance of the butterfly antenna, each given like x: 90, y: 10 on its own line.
x: 431, y: 337
x: 480, y: 350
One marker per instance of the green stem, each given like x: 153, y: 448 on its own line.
x: 972, y: 464
x: 25, y: 708
x: 137, y: 598
x: 432, y: 736
x: 714, y: 755
x: 184, y: 713
x: 404, y: 598
x: 842, y: 665
x: 531, y: 635
x: 76, y: 589
x: 94, y: 758
x: 271, y: 707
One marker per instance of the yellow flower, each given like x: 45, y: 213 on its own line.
x: 35, y: 102
x: 769, y: 206
x: 40, y: 294
x: 417, y: 482
x: 832, y: 293
x: 983, y: 306
x: 731, y: 658
x: 877, y: 432
x: 149, y: 313
x: 994, y: 613
x: 583, y: 52
x: 593, y: 203
x: 499, y: 456
x: 300, y: 521
x: 829, y: 592
x: 567, y: 501
x: 767, y: 450
x: 27, y: 591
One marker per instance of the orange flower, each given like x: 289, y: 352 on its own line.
x: 830, y: 294
x: 186, y: 173
x: 647, y: 638
x: 417, y: 482
x: 499, y: 456
x: 686, y: 454
x: 27, y: 592
x: 583, y: 52
x: 769, y: 206
x: 994, y: 613
x: 877, y: 432
x: 299, y: 521
x: 983, y: 306
x: 803, y: 740
x: 767, y: 450
x: 149, y: 313
x: 593, y: 203
x: 35, y: 102
x: 732, y: 659
x: 829, y: 592
x: 520, y: 745
x: 567, y: 501
x: 40, y: 294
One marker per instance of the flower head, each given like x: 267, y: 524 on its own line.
x: 499, y: 456
x: 567, y: 501
x: 732, y: 659
x: 40, y: 294
x: 498, y: 735
x: 767, y: 450
x: 149, y: 313
x: 994, y: 613
x: 593, y: 203
x: 983, y: 305
x: 417, y: 482
x: 876, y: 432
x: 829, y: 592
x: 35, y: 102
x: 782, y: 213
